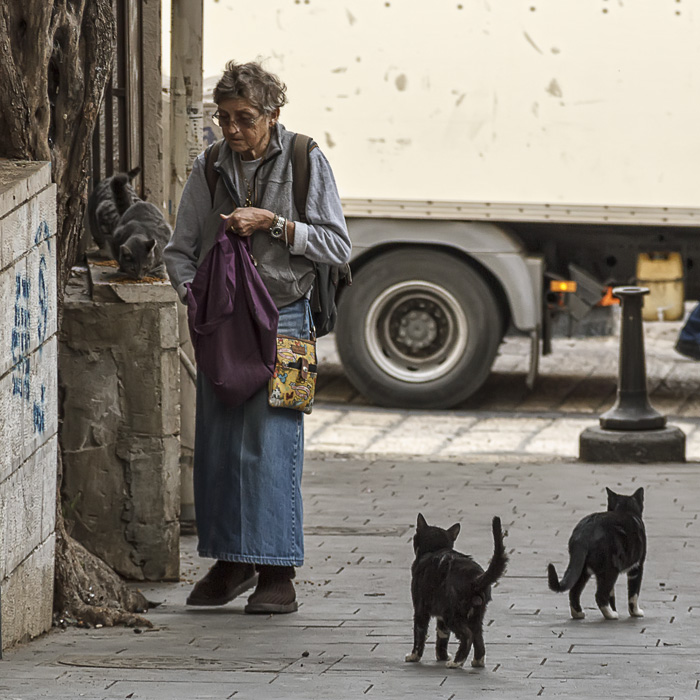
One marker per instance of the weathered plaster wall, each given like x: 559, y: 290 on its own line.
x: 28, y: 414
x: 119, y: 379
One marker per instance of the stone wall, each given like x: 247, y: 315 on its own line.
x: 119, y: 380
x: 28, y: 416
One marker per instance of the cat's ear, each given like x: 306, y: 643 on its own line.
x: 454, y: 531
x: 612, y: 498
x: 420, y: 523
x: 150, y: 246
x: 638, y: 496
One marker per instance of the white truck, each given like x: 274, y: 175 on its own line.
x: 485, y: 148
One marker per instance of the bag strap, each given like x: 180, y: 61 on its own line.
x: 210, y: 158
x: 301, y: 147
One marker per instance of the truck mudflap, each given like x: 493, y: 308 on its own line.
x: 534, y: 365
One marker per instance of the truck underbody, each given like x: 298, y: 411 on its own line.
x: 434, y: 295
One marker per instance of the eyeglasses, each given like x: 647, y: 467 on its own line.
x: 224, y: 121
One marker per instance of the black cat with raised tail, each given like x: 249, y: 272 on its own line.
x: 453, y: 588
x: 605, y: 545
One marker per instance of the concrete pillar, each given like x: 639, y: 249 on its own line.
x: 119, y: 374
x: 28, y: 415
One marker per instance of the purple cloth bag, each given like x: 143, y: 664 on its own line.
x: 232, y: 320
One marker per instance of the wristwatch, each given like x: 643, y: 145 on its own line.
x: 278, y: 225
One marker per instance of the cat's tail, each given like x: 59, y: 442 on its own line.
x: 499, y: 560
x: 123, y: 195
x: 572, y: 574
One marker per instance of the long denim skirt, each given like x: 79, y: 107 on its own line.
x: 247, y: 471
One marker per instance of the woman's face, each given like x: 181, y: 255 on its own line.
x: 245, y: 128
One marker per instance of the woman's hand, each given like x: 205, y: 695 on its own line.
x: 244, y: 221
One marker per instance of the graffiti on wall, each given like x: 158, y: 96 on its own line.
x: 24, y: 325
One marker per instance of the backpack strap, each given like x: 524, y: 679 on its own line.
x: 210, y: 158
x: 301, y: 147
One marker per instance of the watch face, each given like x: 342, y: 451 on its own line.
x: 276, y: 231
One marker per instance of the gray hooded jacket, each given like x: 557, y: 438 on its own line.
x: 286, y: 271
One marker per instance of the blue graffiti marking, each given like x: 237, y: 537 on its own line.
x: 39, y: 412
x: 43, y: 233
x: 21, y: 339
x: 21, y: 379
x: 43, y: 321
x: 20, y: 328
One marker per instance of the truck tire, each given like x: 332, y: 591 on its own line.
x: 418, y: 329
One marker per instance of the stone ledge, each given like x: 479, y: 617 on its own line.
x: 20, y: 180
x: 108, y: 284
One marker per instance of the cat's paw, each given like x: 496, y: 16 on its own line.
x: 608, y: 612
x: 634, y: 608
x: 577, y: 614
x: 479, y: 663
x: 454, y: 664
x: 412, y: 657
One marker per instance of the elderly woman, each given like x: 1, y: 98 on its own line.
x: 248, y: 459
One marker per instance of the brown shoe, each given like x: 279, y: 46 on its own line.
x: 225, y: 581
x: 275, y: 591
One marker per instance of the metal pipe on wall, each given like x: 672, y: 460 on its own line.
x: 187, y: 22
x: 185, y: 143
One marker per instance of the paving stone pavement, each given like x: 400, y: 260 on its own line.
x: 577, y: 383
x: 353, y: 627
x: 369, y: 471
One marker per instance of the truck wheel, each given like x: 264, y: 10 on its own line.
x: 418, y: 329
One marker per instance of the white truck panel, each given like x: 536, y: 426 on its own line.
x: 537, y: 101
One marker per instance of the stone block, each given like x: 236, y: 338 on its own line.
x: 27, y: 596
x: 122, y: 504
x: 28, y: 295
x: 27, y: 507
x: 28, y: 400
x: 91, y: 409
x: 41, y: 415
x: 26, y: 197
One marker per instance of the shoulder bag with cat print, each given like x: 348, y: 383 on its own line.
x: 293, y: 382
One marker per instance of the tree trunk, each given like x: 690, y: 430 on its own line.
x: 56, y: 62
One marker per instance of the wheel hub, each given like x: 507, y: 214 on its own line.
x: 416, y: 331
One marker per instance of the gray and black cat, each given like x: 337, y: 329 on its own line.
x: 106, y: 205
x: 605, y: 545
x: 139, y: 239
x: 133, y: 231
x: 453, y: 588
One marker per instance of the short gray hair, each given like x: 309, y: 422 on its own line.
x: 251, y: 82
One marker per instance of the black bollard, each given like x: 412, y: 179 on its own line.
x: 632, y: 431
x: 632, y: 410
